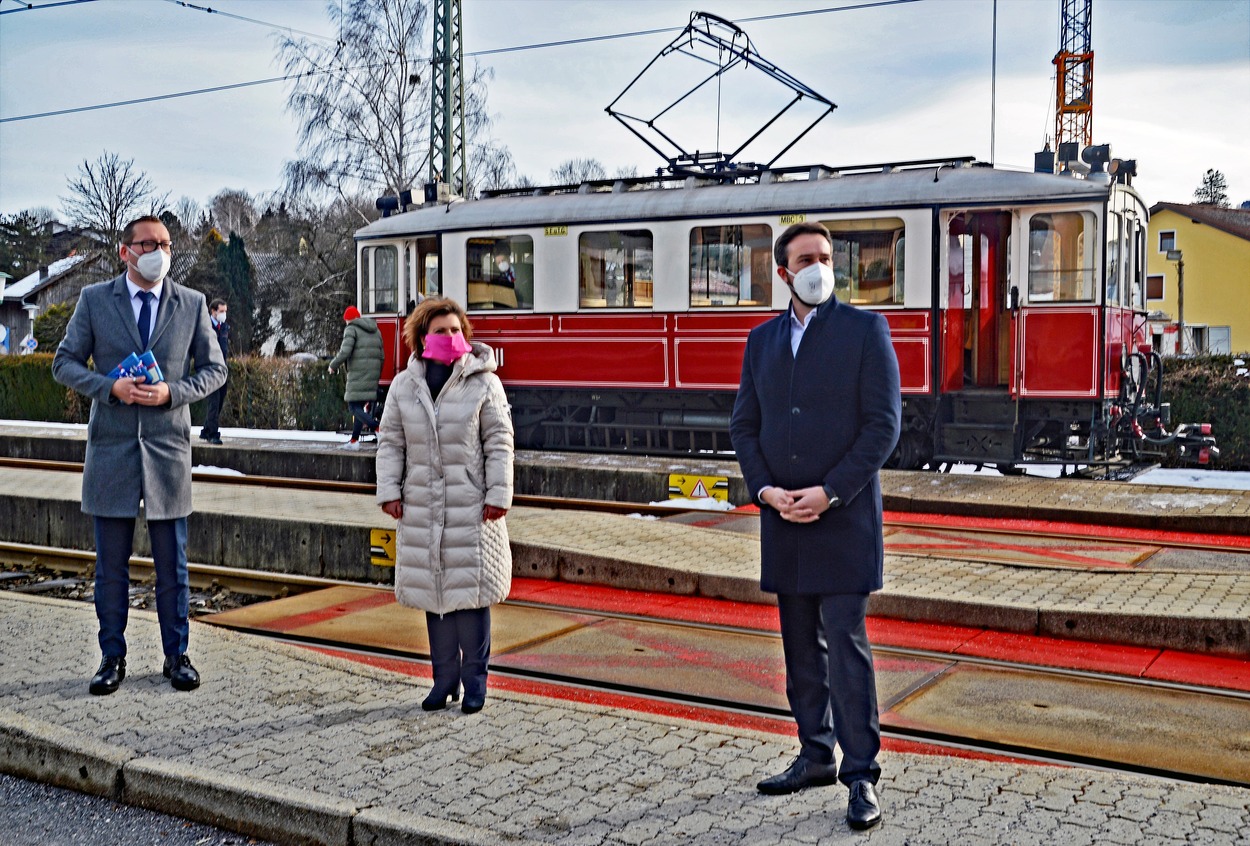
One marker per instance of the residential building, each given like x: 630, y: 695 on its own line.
x: 1200, y: 253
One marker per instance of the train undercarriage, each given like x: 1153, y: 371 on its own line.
x: 1108, y: 438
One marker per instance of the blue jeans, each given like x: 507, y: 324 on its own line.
x: 362, y: 418
x: 114, y: 542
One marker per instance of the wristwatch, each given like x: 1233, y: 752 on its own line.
x: 834, y: 499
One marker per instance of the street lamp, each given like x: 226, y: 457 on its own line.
x: 1178, y: 257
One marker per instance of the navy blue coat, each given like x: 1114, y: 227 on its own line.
x: 828, y: 416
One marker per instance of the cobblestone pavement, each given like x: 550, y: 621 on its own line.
x: 532, y: 770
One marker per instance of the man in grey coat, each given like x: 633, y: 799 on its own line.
x: 817, y: 415
x: 139, y: 437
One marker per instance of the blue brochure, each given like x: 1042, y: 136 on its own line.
x: 135, y: 365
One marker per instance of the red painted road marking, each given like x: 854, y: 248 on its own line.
x: 375, y: 599
x: 645, y: 705
x: 946, y: 542
x: 1082, y: 529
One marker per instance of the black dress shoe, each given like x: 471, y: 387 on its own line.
x: 180, y: 673
x: 473, y: 702
x: 802, y: 773
x: 862, y: 809
x: 109, y: 677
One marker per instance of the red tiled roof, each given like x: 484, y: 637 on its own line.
x: 1233, y: 221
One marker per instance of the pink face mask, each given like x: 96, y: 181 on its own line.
x: 445, y: 348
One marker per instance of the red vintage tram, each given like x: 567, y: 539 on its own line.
x: 619, y: 310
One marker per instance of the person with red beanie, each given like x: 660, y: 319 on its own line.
x: 362, y: 353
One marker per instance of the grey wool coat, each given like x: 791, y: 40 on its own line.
x: 362, y: 352
x: 446, y: 458
x: 136, y: 452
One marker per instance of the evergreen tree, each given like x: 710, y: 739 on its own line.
x: 1213, y: 191
x: 23, y: 244
x: 235, y: 270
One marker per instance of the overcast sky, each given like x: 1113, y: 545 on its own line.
x: 911, y: 81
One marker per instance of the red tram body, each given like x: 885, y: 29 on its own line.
x: 619, y: 310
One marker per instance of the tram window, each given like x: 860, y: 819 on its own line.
x: 868, y: 260
x: 501, y: 272
x: 1061, y: 257
x: 1139, y: 268
x: 731, y: 266
x: 615, y: 269
x: 381, y: 292
x: 1115, y: 257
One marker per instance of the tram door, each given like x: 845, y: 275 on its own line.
x: 977, y: 344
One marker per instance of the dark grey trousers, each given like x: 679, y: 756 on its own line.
x: 830, y: 681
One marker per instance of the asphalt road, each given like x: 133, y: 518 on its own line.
x: 33, y: 814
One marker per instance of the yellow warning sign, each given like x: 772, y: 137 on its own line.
x: 382, y: 547
x: 698, y: 487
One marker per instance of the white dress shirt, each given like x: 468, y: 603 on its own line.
x: 136, y: 302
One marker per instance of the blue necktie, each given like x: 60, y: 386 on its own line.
x: 145, y: 316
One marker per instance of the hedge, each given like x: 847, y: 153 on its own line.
x: 263, y: 393
x: 277, y: 393
x: 1209, y: 389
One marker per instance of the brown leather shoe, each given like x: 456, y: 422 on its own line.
x: 802, y: 773
x: 862, y: 809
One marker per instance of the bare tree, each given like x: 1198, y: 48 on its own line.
x: 575, y: 171
x: 107, y: 193
x: 234, y: 211
x: 364, y: 103
x: 1213, y: 191
x: 190, y: 217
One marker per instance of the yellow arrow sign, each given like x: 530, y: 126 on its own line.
x: 382, y: 547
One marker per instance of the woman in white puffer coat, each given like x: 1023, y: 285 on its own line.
x: 444, y: 471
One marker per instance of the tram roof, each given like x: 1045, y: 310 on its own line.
x: 948, y: 185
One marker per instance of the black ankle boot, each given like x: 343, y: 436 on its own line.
x: 437, y: 700
x: 473, y: 702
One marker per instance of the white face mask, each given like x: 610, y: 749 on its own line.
x: 813, y: 285
x: 152, y: 266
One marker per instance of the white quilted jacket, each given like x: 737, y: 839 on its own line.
x: 445, y: 459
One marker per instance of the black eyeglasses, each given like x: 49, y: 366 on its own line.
x: 150, y: 246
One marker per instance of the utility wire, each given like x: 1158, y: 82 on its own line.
x: 593, y: 38
x: 31, y: 7
x: 472, y: 54
x: 211, y: 11
x: 178, y: 94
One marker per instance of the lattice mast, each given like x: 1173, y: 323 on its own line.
x: 1074, y: 77
x: 447, y: 148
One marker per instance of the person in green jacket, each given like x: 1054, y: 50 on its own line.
x: 361, y: 351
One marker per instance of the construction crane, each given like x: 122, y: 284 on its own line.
x: 1074, y: 80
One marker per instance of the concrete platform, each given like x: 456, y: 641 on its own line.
x: 328, y: 534
x: 290, y: 744
x: 636, y: 478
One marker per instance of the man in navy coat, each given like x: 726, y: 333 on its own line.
x: 817, y: 415
x: 139, y: 437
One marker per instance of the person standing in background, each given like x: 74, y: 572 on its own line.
x: 139, y: 437
x: 362, y: 353
x: 217, y: 311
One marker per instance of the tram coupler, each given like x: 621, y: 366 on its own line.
x: 1195, y: 443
